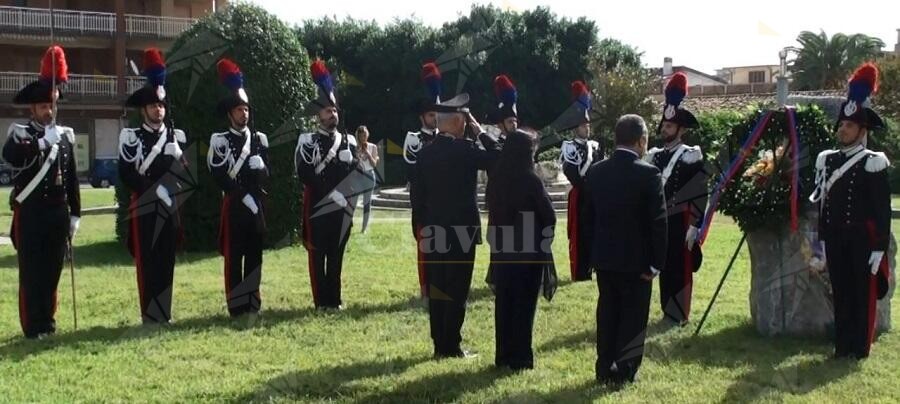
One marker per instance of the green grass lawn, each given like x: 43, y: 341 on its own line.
x: 90, y: 198
x: 379, y: 350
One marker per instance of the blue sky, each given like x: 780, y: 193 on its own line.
x: 702, y: 34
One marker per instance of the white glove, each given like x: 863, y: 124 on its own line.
x: 875, y: 260
x: 345, y: 156
x: 51, y: 137
x: 172, y: 149
x: 74, y: 222
x: 250, y: 204
x: 256, y: 163
x: 163, y: 195
x: 338, y: 198
x: 818, y: 262
x: 691, y: 237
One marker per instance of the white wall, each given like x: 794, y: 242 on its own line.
x: 106, y: 138
x: 698, y: 80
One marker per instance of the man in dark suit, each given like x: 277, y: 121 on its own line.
x: 447, y: 208
x: 628, y: 248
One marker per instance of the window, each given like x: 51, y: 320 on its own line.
x: 757, y: 76
x: 20, y: 3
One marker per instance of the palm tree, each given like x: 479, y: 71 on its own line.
x: 825, y: 63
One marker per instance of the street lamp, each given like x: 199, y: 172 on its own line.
x: 781, y: 87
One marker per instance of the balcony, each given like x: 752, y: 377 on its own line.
x: 36, y: 21
x: 82, y: 88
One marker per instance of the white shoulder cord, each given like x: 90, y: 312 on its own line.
x: 411, y: 147
x: 570, y: 155
x: 139, y: 150
x: 218, y: 148
x: 309, y: 152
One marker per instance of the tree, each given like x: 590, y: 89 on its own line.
x: 887, y: 99
x: 276, y: 77
x: 378, y: 67
x: 620, y: 85
x: 825, y: 63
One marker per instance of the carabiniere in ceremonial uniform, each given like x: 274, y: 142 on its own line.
x: 238, y: 160
x: 45, y: 198
x: 150, y: 157
x: 855, y: 221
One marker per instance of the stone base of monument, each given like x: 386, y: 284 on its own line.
x: 788, y: 297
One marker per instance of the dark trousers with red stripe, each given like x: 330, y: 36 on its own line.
x: 40, y: 236
x: 243, y: 252
x: 677, y: 279
x: 854, y: 290
x: 152, y: 242
x: 578, y: 231
x: 449, y: 276
x: 516, y: 287
x: 330, y: 234
x: 622, y: 313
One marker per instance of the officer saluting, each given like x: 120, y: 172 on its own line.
x: 45, y: 198
x: 415, y: 142
x: 149, y: 156
x: 447, y: 209
x: 576, y: 156
x: 855, y: 221
x: 684, y: 180
x: 325, y: 159
x: 238, y: 160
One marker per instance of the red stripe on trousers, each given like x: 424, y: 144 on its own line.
x: 420, y: 257
x: 136, y: 247
x: 572, y: 230
x: 307, y: 241
x: 870, y: 316
x: 688, y: 286
x: 23, y: 306
x: 873, y: 287
x: 225, y: 242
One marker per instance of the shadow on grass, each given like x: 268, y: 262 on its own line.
x: 19, y: 348
x: 335, y: 382
x: 773, y: 368
x: 327, y: 382
x: 106, y: 253
x: 585, y: 392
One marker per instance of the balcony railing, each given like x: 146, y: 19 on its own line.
x: 156, y: 27
x: 79, y: 87
x: 26, y: 20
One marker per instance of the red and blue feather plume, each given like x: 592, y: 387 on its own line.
x: 431, y: 76
x: 322, y: 77
x: 505, y: 90
x: 863, y: 83
x: 676, y: 89
x: 54, y: 66
x: 230, y: 74
x: 154, y: 67
x: 581, y: 95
